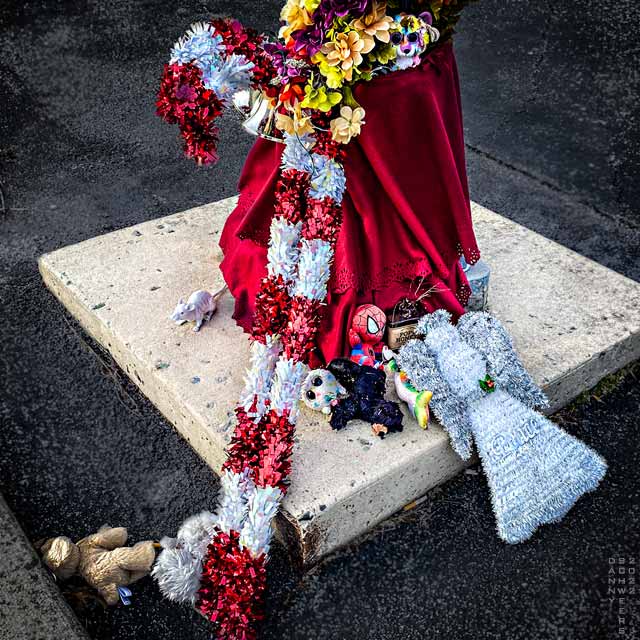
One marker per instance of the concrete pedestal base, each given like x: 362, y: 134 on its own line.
x: 572, y: 320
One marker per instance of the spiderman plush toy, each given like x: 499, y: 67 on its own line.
x: 365, y: 336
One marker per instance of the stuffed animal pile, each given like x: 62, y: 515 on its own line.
x: 348, y: 391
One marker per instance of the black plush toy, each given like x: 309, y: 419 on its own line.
x: 366, y: 388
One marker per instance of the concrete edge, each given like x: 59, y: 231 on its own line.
x: 73, y: 630
x: 563, y: 390
x: 305, y: 542
x: 162, y: 400
x: 314, y: 536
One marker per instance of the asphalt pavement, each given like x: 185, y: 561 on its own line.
x: 550, y: 95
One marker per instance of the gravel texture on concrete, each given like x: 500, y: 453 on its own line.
x: 550, y: 96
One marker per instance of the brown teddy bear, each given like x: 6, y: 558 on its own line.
x: 100, y: 559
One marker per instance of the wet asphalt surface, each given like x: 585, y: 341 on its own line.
x: 551, y: 119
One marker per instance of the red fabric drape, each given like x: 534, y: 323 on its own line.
x: 406, y: 212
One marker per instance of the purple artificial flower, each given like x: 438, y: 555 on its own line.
x: 186, y: 93
x: 278, y: 54
x: 331, y: 9
x: 286, y: 66
x: 312, y: 38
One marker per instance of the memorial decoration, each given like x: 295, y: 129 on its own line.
x: 482, y: 394
x: 321, y: 391
x: 211, y: 63
x: 417, y: 401
x: 365, y: 336
x: 366, y: 387
x: 402, y: 322
x: 478, y: 276
x: 410, y: 36
x: 102, y: 560
x: 199, y: 308
x: 348, y: 391
x: 325, y: 48
x: 306, y: 79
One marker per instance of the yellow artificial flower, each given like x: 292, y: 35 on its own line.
x: 333, y: 75
x: 344, y: 50
x: 375, y: 25
x: 320, y: 98
x: 385, y: 53
x: 347, y: 125
x: 296, y: 16
x: 435, y: 7
x: 296, y: 125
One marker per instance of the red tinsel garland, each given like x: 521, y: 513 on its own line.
x: 272, y: 302
x: 184, y: 100
x: 275, y: 454
x: 233, y: 580
x: 300, y: 332
x: 325, y: 145
x: 232, y: 587
x: 264, y: 447
x: 246, y: 42
x: 291, y: 195
x: 322, y: 220
x: 244, y: 449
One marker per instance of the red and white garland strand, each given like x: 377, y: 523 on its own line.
x: 217, y: 562
x: 233, y: 570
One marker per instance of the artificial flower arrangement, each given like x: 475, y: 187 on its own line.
x: 217, y: 561
x: 329, y: 45
x: 324, y: 48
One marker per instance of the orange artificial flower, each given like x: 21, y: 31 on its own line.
x: 375, y: 25
x: 345, y: 50
x: 293, y: 91
x: 347, y: 125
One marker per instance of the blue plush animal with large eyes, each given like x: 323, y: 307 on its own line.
x: 410, y: 36
x: 321, y: 391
